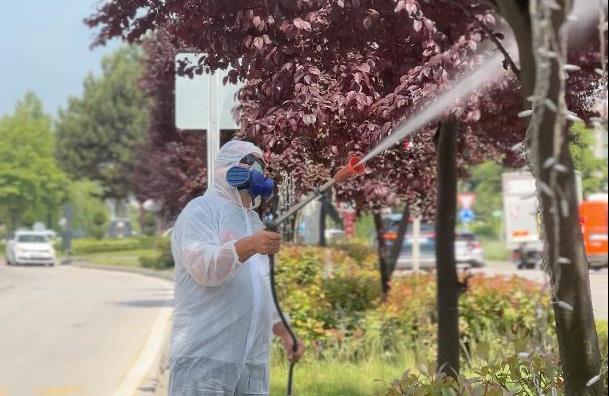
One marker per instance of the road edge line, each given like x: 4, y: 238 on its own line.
x: 153, y: 346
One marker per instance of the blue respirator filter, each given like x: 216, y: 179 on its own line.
x: 252, y: 180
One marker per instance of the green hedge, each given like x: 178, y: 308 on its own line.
x: 162, y: 257
x: 334, y: 302
x: 86, y: 245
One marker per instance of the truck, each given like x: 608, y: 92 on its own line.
x: 593, y: 220
x: 522, y: 217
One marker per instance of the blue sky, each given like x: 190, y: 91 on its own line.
x: 44, y: 48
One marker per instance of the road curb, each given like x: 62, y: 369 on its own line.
x: 149, y: 375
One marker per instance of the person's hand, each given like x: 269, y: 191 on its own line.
x: 266, y: 242
x: 262, y: 242
x: 288, y: 343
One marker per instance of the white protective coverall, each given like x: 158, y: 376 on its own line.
x: 224, y: 312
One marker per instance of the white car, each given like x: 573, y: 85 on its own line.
x: 468, y: 250
x: 30, y: 247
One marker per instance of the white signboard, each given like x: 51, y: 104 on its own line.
x: 205, y: 103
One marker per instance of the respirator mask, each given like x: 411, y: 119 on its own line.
x: 249, y: 176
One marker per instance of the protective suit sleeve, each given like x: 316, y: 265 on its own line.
x: 275, y: 316
x: 209, y: 261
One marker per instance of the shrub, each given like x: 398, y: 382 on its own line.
x: 503, y: 305
x: 513, y: 375
x: 86, y: 245
x: 99, y: 223
x: 149, y: 223
x: 162, y: 257
x: 334, y: 304
x: 299, y: 283
x: 487, y: 229
x: 359, y: 252
x: 352, y: 282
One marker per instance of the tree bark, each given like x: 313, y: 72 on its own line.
x: 576, y: 330
x: 381, y: 249
x: 388, y: 260
x: 447, y: 281
x: 398, y: 244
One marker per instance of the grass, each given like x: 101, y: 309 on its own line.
x: 494, y: 250
x: 336, y: 378
x: 127, y: 258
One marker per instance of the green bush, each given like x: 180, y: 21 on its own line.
x: 359, y: 252
x: 495, y: 250
x: 520, y: 374
x: 536, y: 372
x: 334, y: 303
x: 87, y: 245
x: 487, y: 229
x: 503, y: 305
x: 99, y: 223
x: 162, y: 257
x: 149, y: 223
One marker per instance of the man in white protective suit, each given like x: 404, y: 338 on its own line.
x: 224, y: 314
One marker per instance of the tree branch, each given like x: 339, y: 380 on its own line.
x: 506, y: 55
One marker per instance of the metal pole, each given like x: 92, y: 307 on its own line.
x: 213, y: 132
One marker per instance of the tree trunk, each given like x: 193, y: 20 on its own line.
x: 322, y: 224
x: 398, y: 244
x: 447, y: 281
x: 383, y: 265
x: 576, y: 330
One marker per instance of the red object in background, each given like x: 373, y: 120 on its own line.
x: 348, y: 215
x: 593, y: 220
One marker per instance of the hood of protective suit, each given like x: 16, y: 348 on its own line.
x: 229, y: 155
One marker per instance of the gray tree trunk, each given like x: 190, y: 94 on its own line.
x: 398, y: 243
x: 388, y: 260
x: 381, y: 251
x: 447, y: 281
x: 576, y: 330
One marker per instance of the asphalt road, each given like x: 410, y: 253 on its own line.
x: 68, y: 331
x: 599, y: 283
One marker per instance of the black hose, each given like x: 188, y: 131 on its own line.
x: 284, y: 321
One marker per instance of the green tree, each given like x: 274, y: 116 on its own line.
x: 85, y: 198
x: 98, y: 133
x: 32, y: 186
x: 485, y: 182
x: 593, y: 169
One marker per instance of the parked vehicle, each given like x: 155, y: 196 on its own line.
x: 427, y: 253
x: 120, y: 228
x: 593, y: 219
x: 468, y: 250
x: 30, y: 247
x: 392, y: 222
x: 522, y: 218
x: 521, y: 211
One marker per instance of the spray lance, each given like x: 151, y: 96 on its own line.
x: 353, y: 167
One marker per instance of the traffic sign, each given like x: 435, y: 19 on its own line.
x: 466, y: 215
x: 466, y: 199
